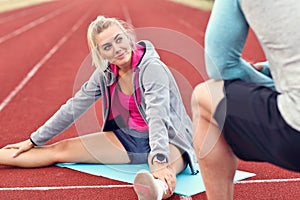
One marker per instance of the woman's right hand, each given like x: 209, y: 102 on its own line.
x: 20, y: 146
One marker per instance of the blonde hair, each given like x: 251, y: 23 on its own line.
x: 96, y: 27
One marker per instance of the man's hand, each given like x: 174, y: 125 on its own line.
x: 258, y: 66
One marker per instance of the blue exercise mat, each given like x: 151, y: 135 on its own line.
x: 187, y: 184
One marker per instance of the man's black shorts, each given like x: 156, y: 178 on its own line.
x: 253, y: 127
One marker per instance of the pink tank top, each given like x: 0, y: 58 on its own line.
x: 135, y: 120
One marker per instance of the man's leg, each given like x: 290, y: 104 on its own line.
x: 217, y: 161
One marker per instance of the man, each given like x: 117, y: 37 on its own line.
x: 240, y: 113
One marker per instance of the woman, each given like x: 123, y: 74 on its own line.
x: 144, y: 117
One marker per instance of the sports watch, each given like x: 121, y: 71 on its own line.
x: 160, y: 158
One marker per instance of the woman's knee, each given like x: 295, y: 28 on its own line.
x: 60, y: 149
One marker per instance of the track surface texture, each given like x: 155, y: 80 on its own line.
x: 43, y: 48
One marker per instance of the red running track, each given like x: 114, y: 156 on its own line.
x: 48, y: 41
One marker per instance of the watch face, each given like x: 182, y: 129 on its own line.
x: 160, y: 157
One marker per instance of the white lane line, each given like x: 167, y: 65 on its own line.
x: 75, y: 187
x: 269, y: 181
x: 65, y: 187
x: 127, y: 186
x: 32, y: 24
x: 41, y: 62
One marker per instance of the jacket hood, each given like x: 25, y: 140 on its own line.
x: 149, y: 54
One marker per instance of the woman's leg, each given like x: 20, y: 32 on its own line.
x: 177, y: 162
x: 149, y: 187
x: 101, y: 147
x: 216, y: 160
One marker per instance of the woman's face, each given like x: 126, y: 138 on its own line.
x: 114, y: 46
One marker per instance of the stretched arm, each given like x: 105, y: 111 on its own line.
x: 157, y: 99
x: 69, y: 112
x: 63, y: 118
x: 225, y: 38
x: 156, y: 82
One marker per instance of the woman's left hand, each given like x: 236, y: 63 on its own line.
x: 21, y: 147
x: 165, y: 173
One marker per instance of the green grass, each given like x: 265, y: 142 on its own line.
x: 200, y: 4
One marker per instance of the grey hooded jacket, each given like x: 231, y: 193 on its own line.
x: 160, y: 105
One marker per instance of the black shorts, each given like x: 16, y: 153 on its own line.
x: 135, y: 143
x: 253, y: 127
